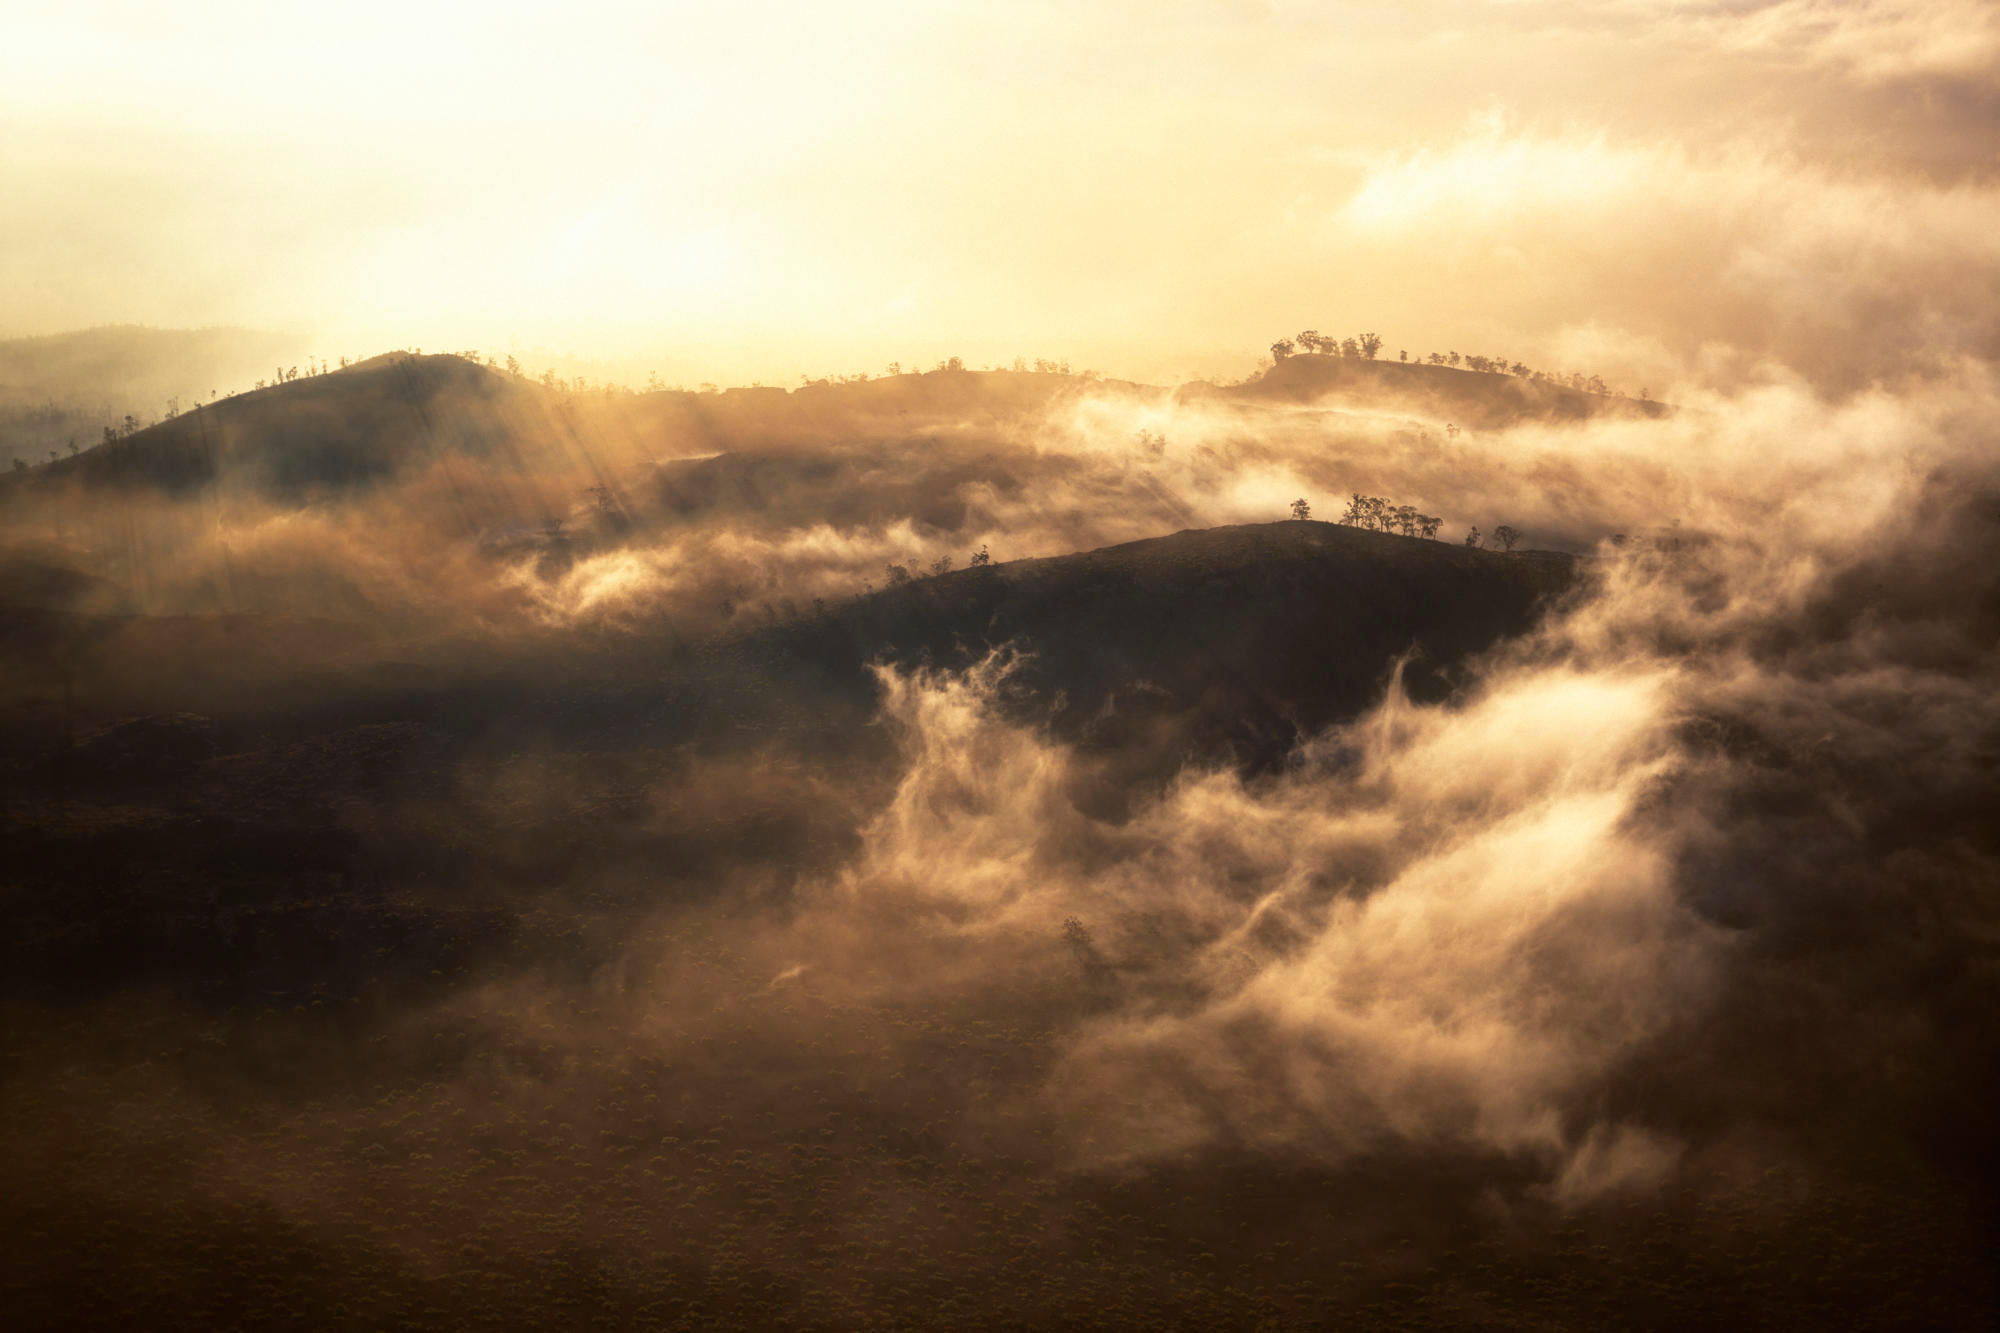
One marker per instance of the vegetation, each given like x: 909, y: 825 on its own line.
x: 1366, y: 346
x: 1375, y: 514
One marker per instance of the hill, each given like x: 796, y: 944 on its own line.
x: 337, y: 431
x: 282, y: 755
x: 1480, y: 399
x: 1227, y: 644
x: 66, y: 387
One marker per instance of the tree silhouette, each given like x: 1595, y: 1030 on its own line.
x: 1506, y: 536
x: 980, y: 558
x: 1281, y: 349
x: 1472, y: 537
x: 1370, y: 345
x: 1301, y: 510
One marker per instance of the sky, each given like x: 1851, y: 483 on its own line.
x: 1664, y: 193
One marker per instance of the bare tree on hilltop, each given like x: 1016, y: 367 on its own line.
x: 1375, y: 514
x: 1506, y: 536
x: 1301, y: 510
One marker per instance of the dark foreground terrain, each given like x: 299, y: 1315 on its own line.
x: 328, y: 1012
x: 374, y: 961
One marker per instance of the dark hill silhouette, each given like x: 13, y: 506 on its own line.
x: 1480, y: 399
x: 64, y: 387
x: 337, y: 432
x: 291, y: 442
x: 279, y: 754
x: 1228, y: 644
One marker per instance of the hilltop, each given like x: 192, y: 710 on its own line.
x: 343, y: 429
x: 398, y: 413
x: 61, y: 389
x: 1475, y: 398
x: 1230, y: 643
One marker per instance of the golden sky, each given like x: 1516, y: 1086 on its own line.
x: 1663, y: 192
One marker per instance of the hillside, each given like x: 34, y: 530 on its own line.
x: 1229, y: 643
x: 342, y: 430
x: 66, y: 387
x: 1471, y: 398
x: 388, y: 414
x: 282, y: 753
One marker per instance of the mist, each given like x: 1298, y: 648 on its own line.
x: 1070, y: 811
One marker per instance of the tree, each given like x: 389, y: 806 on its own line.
x: 898, y: 574
x: 1506, y: 536
x: 1403, y: 355
x: 1096, y: 969
x: 1281, y: 349
x: 1349, y: 348
x: 1309, y: 340
x: 941, y: 565
x: 980, y: 558
x: 1301, y: 510
x: 1428, y: 525
x: 1370, y: 345
x: 1472, y: 537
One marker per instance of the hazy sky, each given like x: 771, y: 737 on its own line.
x: 1651, y: 190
